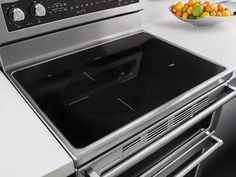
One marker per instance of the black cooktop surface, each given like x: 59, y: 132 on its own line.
x: 91, y: 93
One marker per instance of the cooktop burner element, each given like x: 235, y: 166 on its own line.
x: 94, y: 92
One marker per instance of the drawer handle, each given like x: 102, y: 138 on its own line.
x: 201, y: 158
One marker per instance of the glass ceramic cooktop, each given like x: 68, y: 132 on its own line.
x: 91, y: 93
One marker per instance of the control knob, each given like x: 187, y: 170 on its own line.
x: 17, y: 15
x: 38, y: 10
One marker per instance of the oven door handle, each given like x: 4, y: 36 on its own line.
x: 126, y: 164
x: 201, y: 158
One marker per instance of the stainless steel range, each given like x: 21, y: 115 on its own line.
x: 119, y: 100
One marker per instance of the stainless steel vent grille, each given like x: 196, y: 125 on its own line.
x: 182, y: 116
x: 200, y: 105
x: 190, y: 111
x: 157, y: 130
x: 162, y: 127
x: 131, y: 145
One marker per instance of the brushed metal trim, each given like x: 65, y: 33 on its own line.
x: 6, y: 36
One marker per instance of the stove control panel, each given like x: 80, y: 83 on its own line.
x: 23, y: 14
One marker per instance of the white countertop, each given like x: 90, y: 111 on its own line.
x: 27, y: 148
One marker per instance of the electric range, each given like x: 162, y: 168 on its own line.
x: 119, y: 100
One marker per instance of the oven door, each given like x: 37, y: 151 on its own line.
x: 177, y: 153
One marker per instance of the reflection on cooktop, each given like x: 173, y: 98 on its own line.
x: 91, y: 93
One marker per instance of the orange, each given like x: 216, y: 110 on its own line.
x: 226, y: 13
x: 173, y: 9
x: 192, y: 2
x: 190, y: 10
x: 206, y: 3
x: 178, y: 13
x: 218, y: 13
x: 220, y: 7
x: 209, y: 8
x: 185, y: 15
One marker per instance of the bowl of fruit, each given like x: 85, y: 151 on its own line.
x: 201, y: 13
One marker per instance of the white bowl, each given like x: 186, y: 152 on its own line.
x: 204, y: 21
